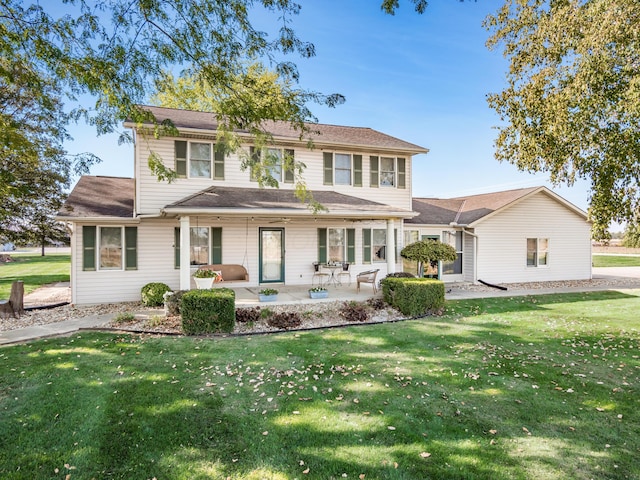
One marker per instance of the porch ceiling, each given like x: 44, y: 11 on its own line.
x: 279, y: 203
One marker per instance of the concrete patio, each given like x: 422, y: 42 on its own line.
x: 287, y: 295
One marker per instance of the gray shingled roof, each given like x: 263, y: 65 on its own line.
x: 463, y: 210
x: 320, y: 133
x: 223, y: 199
x: 95, y: 196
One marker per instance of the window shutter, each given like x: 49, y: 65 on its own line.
x: 176, y: 247
x: 351, y: 245
x: 402, y: 173
x: 328, y: 168
x: 322, y: 245
x: 218, y: 163
x: 375, y: 174
x: 289, y: 160
x: 181, y: 157
x: 255, y: 159
x: 366, y: 245
x: 216, y: 245
x: 131, y: 248
x: 357, y: 170
x: 88, y: 248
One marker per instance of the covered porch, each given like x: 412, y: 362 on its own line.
x: 299, y: 294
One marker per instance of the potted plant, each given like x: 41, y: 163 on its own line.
x: 268, y: 294
x: 318, y: 292
x: 204, y: 278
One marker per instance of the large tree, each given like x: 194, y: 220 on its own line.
x: 571, y: 106
x: 113, y: 51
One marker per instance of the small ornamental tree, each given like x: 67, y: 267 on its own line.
x: 427, y: 251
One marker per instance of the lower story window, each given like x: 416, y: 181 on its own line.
x: 110, y: 248
x: 455, y: 240
x: 379, y: 245
x: 537, y: 252
x: 337, y: 244
x: 199, y: 246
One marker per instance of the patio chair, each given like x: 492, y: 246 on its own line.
x: 343, y: 272
x: 319, y: 275
x: 367, y: 277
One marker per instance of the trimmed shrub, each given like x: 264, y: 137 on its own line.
x: 414, y: 296
x: 152, y: 294
x: 172, y: 302
x: 208, y: 311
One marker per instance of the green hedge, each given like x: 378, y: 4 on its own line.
x: 414, y: 296
x: 208, y: 311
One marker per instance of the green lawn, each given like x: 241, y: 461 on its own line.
x: 34, y: 270
x: 616, y: 260
x: 531, y: 387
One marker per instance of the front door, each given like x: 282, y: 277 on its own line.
x: 271, y: 255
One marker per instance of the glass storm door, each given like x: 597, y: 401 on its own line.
x: 271, y: 255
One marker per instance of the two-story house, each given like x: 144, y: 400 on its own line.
x: 127, y: 232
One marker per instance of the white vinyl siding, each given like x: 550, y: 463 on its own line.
x: 501, y: 242
x: 151, y: 195
x: 156, y: 258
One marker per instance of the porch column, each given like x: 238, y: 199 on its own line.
x: 185, y: 254
x: 391, y: 247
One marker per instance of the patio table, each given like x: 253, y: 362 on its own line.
x: 332, y: 277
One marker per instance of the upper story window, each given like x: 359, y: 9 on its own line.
x: 342, y: 169
x: 388, y: 172
x: 277, y: 162
x: 198, y: 160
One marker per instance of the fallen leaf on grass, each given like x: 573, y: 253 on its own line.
x: 493, y: 431
x: 425, y: 454
x: 306, y: 471
x: 524, y: 429
x: 391, y: 428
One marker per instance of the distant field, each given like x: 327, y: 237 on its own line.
x: 616, y: 261
x: 34, y: 271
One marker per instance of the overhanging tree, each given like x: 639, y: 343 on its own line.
x: 426, y: 251
x: 571, y: 106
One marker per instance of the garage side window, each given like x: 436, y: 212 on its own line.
x: 537, y: 252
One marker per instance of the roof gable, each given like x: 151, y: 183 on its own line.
x: 320, y: 134
x: 473, y: 209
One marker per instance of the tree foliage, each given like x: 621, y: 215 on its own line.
x: 571, y: 106
x: 631, y: 238
x: 426, y: 251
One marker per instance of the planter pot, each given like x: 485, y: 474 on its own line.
x: 268, y: 298
x: 324, y: 294
x: 204, y: 283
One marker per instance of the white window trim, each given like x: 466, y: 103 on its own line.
x: 192, y: 246
x: 537, y: 262
x: 395, y: 172
x: 335, y: 169
x: 344, y: 244
x: 373, y: 246
x: 99, y: 249
x: 212, y: 147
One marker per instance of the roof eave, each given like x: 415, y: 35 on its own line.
x: 298, y: 141
x: 288, y: 212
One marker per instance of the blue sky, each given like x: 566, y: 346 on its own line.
x: 422, y: 78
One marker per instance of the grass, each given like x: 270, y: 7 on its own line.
x: 616, y: 260
x: 34, y: 271
x: 512, y: 388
